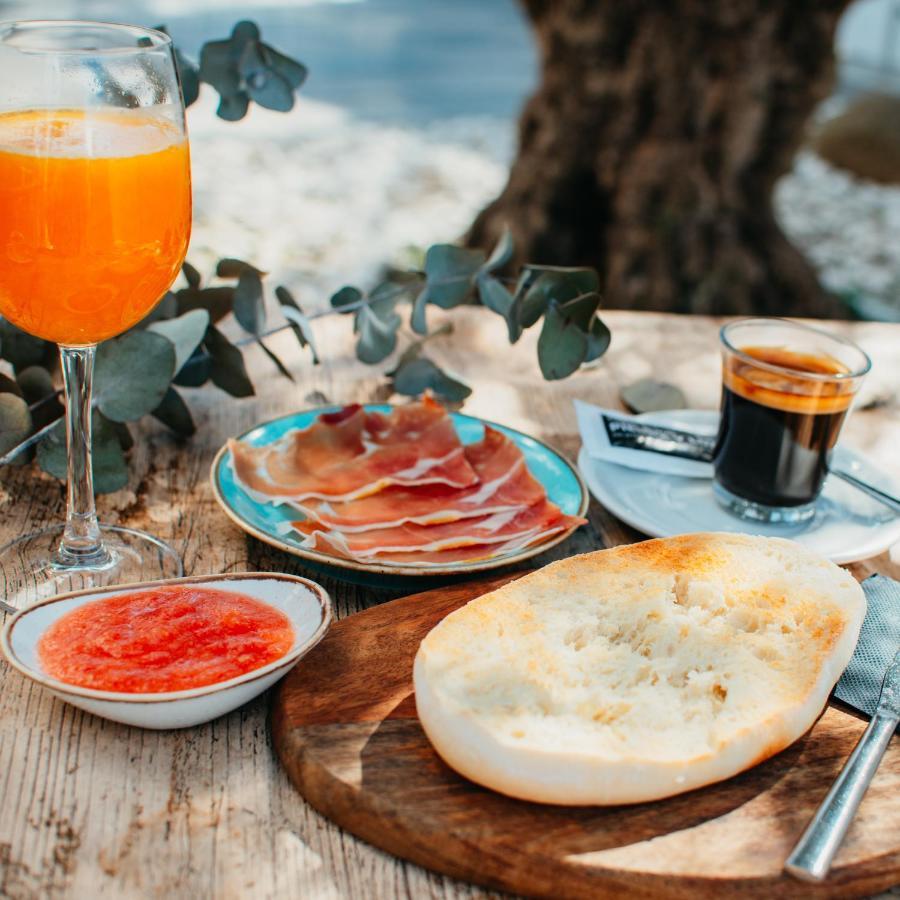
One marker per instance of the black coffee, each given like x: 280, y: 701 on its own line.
x: 777, y: 429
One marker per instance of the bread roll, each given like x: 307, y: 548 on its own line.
x: 639, y: 672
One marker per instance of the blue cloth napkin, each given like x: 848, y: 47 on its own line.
x: 879, y: 641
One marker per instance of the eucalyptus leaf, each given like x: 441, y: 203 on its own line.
x: 265, y: 85
x: 124, y: 435
x: 286, y: 298
x: 278, y: 363
x: 234, y: 268
x: 218, y: 67
x: 562, y: 345
x: 191, y: 274
x: 35, y: 383
x: 541, y: 285
x: 581, y: 309
x: 249, y: 308
x: 227, y: 369
x: 599, y: 339
x: 174, y: 413
x: 303, y: 326
x: 245, y: 31
x: 40, y: 394
x: 648, y: 395
x: 10, y: 386
x: 21, y: 349
x: 217, y: 301
x: 418, y: 319
x: 185, y: 333
x: 196, y: 371
x: 449, y: 271
x: 346, y: 296
x: 498, y: 299
x: 377, y: 336
x: 421, y: 374
x: 501, y: 254
x: 109, y: 468
x: 233, y: 107
x: 167, y: 308
x: 189, y: 75
x: 132, y: 374
x: 292, y: 71
x: 15, y: 421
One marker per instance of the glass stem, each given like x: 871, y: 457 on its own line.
x: 81, y: 544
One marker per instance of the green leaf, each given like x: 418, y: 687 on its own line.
x: 498, y: 299
x: 581, y: 309
x: 191, y: 275
x: 167, y: 308
x: 109, y: 468
x: 278, y: 363
x: 35, y: 383
x: 196, y: 371
x: 346, y: 296
x: 217, y: 301
x: 40, y: 395
x: 185, y: 333
x: 289, y: 69
x: 540, y: 285
x: 377, y: 335
x: 234, y: 268
x: 599, y: 339
x: 245, y: 31
x: 189, y: 76
x: 227, y: 369
x: 265, y: 85
x: 10, y: 386
x: 21, y: 349
x: 449, y: 271
x: 648, y: 395
x: 233, y: 107
x: 174, y: 413
x: 418, y: 320
x: 562, y: 345
x: 218, y: 67
x: 126, y: 439
x: 15, y: 421
x: 302, y: 328
x: 249, y: 308
x: 501, y: 254
x: 132, y: 374
x: 421, y: 374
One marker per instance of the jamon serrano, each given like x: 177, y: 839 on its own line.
x: 353, y: 453
x: 504, y: 485
x: 523, y: 525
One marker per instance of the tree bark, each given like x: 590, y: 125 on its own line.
x: 652, y: 146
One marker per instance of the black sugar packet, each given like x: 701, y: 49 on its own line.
x: 634, y: 435
x: 879, y: 640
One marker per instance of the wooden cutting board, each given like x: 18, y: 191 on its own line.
x: 345, y: 727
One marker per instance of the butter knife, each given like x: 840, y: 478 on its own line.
x: 811, y: 859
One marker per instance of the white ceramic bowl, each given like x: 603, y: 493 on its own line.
x: 304, y: 602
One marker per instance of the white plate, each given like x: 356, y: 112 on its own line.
x: 304, y: 602
x: 847, y: 526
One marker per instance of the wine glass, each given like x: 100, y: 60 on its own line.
x: 95, y: 217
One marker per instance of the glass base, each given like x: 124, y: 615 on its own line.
x: 31, y: 568
x: 759, y: 512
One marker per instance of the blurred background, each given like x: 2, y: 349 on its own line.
x: 407, y: 127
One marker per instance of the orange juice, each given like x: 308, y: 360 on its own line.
x: 95, y: 216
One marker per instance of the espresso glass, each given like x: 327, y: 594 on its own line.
x: 786, y: 391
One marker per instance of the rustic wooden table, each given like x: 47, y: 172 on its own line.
x: 95, y: 809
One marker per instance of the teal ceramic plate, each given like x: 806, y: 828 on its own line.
x: 559, y: 477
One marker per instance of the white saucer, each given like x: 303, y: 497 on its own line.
x: 848, y: 525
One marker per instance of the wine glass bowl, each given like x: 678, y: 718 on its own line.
x: 95, y: 217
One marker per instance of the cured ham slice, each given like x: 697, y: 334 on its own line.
x: 353, y: 453
x: 430, y: 558
x: 504, y: 485
x: 523, y: 526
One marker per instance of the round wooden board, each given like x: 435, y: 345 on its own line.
x: 345, y: 728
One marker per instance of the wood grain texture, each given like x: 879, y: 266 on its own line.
x: 95, y: 809
x: 345, y: 728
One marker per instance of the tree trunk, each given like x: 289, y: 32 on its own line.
x: 652, y: 146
